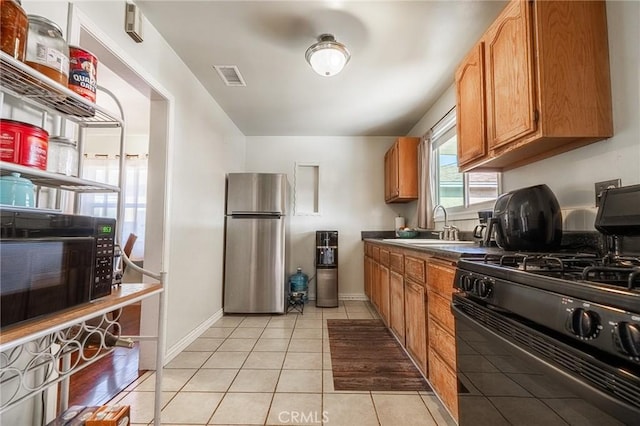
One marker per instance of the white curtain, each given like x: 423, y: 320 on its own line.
x: 425, y: 183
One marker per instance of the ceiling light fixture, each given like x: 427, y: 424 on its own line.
x: 327, y: 57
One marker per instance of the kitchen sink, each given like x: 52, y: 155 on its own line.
x: 425, y: 242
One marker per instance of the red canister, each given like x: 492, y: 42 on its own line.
x: 83, y: 72
x: 23, y: 143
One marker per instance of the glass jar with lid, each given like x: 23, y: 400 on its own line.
x: 63, y: 156
x: 14, y: 26
x: 47, y: 51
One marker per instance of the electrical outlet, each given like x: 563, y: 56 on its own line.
x: 603, y: 186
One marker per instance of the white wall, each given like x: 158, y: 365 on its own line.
x: 351, y: 194
x: 571, y: 175
x: 203, y: 145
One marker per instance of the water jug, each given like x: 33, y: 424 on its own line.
x: 299, y: 283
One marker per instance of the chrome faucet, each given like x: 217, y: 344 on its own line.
x: 449, y: 232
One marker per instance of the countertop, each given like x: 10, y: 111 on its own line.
x: 446, y: 251
x: 586, y: 241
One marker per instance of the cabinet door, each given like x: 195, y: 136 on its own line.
x: 384, y: 293
x: 391, y: 179
x: 509, y: 76
x: 396, y: 304
x: 415, y: 323
x: 368, y: 269
x: 470, y: 108
x: 375, y: 284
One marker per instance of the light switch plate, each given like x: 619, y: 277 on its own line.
x: 603, y: 186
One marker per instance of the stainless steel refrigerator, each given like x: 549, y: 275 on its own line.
x: 256, y: 228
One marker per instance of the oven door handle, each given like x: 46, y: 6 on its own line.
x: 629, y: 413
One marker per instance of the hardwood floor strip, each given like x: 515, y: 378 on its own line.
x: 106, y: 378
x: 366, y: 357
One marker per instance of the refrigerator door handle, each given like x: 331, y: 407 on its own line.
x: 253, y: 215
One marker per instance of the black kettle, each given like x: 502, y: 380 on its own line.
x: 527, y: 219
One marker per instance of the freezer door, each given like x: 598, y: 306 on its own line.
x: 254, y: 280
x: 256, y: 192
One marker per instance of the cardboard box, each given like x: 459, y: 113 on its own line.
x: 110, y: 415
x: 80, y: 419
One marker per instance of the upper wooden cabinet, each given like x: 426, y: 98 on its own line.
x: 537, y: 84
x: 401, y: 171
x: 470, y: 110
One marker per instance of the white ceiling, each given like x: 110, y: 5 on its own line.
x: 403, y: 56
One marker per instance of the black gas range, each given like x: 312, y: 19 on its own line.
x: 556, y: 334
x: 582, y: 296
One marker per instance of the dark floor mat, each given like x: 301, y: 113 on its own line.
x: 366, y: 357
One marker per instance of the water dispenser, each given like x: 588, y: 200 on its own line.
x: 326, y: 269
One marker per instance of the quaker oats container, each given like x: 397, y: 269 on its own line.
x: 83, y: 72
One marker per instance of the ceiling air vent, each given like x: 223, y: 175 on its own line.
x: 230, y: 74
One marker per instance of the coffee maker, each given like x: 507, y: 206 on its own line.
x: 327, y: 269
x: 480, y: 231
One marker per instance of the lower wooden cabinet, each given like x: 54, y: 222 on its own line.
x: 440, y: 311
x: 444, y: 381
x: 415, y: 323
x: 412, y: 293
x: 396, y: 305
x: 368, y: 276
x: 383, y: 285
x: 442, y: 341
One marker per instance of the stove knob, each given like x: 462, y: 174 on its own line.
x: 584, y: 324
x: 629, y: 337
x: 467, y: 283
x: 484, y: 287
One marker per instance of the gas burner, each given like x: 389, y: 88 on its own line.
x: 611, y: 270
x: 614, y: 275
x: 533, y: 262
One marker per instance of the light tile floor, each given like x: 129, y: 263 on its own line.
x: 272, y: 370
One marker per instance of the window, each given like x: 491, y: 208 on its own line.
x: 103, y: 169
x: 454, y: 189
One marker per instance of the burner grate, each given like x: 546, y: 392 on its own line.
x: 613, y: 275
x: 610, y: 270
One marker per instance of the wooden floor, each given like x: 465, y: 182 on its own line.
x: 366, y: 357
x: 104, y: 379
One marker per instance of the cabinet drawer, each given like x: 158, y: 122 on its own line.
x: 384, y: 257
x: 440, y: 310
x: 441, y: 278
x: 396, y: 262
x: 443, y: 343
x: 415, y: 269
x: 375, y: 253
x: 445, y: 382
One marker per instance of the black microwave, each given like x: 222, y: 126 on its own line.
x: 52, y: 261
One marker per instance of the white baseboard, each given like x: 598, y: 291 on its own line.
x: 353, y: 296
x: 345, y: 296
x: 191, y: 337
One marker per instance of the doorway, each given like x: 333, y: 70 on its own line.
x: 145, y: 114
